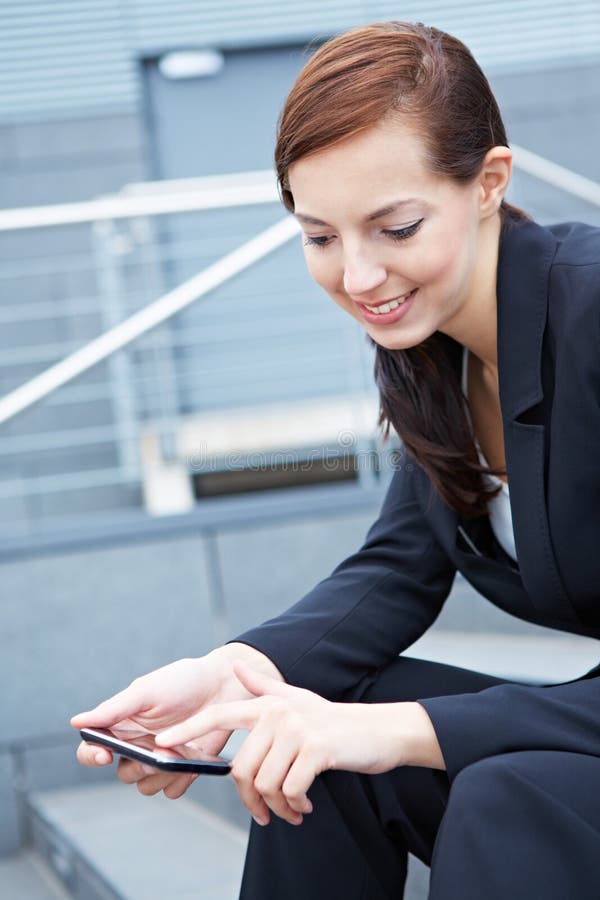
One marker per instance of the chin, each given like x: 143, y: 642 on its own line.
x: 400, y: 341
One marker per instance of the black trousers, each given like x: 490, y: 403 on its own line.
x: 517, y: 826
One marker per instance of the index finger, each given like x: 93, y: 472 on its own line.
x: 121, y: 706
x: 227, y: 716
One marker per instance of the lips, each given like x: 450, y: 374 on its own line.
x: 387, y: 311
x: 386, y: 306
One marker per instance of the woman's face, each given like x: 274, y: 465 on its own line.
x: 392, y: 244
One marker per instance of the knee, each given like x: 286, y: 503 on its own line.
x: 490, y: 790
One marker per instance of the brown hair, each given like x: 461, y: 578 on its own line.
x: 350, y: 84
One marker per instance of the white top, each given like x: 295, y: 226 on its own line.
x: 499, y: 506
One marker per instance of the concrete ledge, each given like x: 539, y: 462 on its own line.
x: 110, y: 843
x: 25, y: 877
x: 535, y: 658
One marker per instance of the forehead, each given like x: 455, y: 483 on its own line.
x: 363, y: 172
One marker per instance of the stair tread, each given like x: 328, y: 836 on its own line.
x: 140, y: 844
x: 26, y: 877
x: 544, y: 658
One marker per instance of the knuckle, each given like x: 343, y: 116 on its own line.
x: 265, y: 788
x: 239, y: 775
x: 295, y: 724
x: 276, y: 707
x: 292, y: 794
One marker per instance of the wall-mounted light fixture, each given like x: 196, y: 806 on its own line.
x: 191, y: 64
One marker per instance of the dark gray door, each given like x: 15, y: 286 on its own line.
x: 224, y: 122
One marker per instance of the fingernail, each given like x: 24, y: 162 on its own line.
x: 297, y: 820
x: 259, y: 821
x: 101, y: 758
x: 308, y: 807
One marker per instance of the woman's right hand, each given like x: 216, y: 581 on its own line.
x: 166, y: 697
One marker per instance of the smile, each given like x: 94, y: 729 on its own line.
x: 389, y: 312
x: 389, y: 306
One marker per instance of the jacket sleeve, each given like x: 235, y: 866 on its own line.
x: 511, y: 717
x: 373, y: 606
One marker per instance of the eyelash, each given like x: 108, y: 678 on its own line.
x: 397, y: 234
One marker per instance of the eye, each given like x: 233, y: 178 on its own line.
x: 318, y: 241
x: 401, y: 234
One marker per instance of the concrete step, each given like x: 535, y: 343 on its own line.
x: 546, y: 657
x: 108, y: 843
x: 28, y: 877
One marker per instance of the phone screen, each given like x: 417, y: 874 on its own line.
x: 140, y: 745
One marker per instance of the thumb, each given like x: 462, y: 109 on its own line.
x: 257, y: 682
x: 122, y: 706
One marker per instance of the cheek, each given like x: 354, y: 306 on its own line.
x: 323, y: 271
x: 444, y: 260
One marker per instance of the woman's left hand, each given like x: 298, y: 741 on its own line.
x: 296, y: 734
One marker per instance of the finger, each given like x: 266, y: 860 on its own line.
x: 93, y: 755
x: 271, y: 775
x: 153, y: 784
x: 179, y: 786
x: 123, y: 705
x: 220, y: 716
x: 130, y: 771
x: 298, y: 781
x: 259, y: 683
x: 244, y: 767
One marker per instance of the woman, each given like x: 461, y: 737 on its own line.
x: 392, y: 155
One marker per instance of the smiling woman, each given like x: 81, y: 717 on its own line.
x: 392, y: 154
x: 404, y: 194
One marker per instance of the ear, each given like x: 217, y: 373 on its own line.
x: 494, y: 178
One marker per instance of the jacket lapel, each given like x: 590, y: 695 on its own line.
x: 526, y: 254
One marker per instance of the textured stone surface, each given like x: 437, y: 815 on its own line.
x: 26, y: 877
x: 148, y: 849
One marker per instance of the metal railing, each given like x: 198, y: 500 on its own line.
x: 150, y: 354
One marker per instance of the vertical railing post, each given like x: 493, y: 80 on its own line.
x: 110, y: 247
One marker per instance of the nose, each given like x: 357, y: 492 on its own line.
x: 362, y: 274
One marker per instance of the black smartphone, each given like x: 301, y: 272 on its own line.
x: 140, y: 745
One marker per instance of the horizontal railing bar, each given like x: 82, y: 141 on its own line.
x: 139, y: 323
x: 128, y: 207
x: 219, y: 191
x: 558, y: 176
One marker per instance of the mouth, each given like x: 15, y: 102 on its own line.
x: 387, y: 306
x: 388, y: 311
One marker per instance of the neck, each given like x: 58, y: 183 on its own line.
x: 475, y: 324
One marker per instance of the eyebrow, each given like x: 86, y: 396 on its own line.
x: 378, y: 214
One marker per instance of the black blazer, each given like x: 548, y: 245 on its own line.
x: 382, y: 598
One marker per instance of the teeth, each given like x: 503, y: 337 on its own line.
x: 388, y: 307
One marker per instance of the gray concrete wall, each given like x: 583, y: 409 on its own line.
x: 79, y: 623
